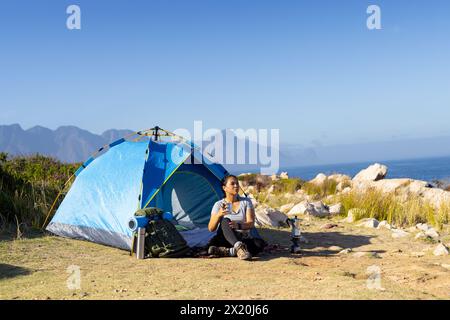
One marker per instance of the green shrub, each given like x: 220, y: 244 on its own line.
x: 29, y: 185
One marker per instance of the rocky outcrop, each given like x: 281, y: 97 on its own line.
x: 316, y: 209
x: 336, y: 209
x: 374, y: 172
x: 404, y: 188
x: 319, y: 179
x: 287, y: 207
x: 339, y: 178
x: 266, y: 216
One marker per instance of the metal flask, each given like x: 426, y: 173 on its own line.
x: 140, y: 243
x: 295, y: 234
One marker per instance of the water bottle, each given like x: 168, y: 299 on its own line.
x: 140, y: 247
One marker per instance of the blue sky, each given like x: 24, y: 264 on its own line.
x: 310, y: 68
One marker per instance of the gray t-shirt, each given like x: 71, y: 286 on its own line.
x: 240, y: 215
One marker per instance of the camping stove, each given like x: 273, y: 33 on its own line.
x: 294, y: 223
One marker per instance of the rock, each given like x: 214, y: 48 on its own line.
x: 286, y: 207
x: 420, y: 235
x: 374, y: 172
x: 299, y: 208
x: 391, y: 185
x: 398, y: 233
x: 249, y: 189
x: 284, y: 175
x: 422, y: 226
x: 274, y: 177
x: 317, y: 209
x: 369, y: 223
x: 432, y: 233
x: 417, y: 187
x: 345, y: 251
x: 440, y: 250
x: 340, y: 178
x: 445, y: 265
x: 336, y: 209
x: 384, y: 224
x: 319, y: 179
x: 270, y: 217
x: 346, y: 190
x: 436, y: 196
x: 262, y: 181
x: 335, y: 248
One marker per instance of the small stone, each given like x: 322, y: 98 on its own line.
x: 345, y: 251
x: 420, y: 235
x: 432, y: 233
x: 440, y: 250
x: 369, y: 223
x: 446, y: 266
x: 398, y: 233
x: 335, y: 248
x: 384, y: 224
x: 422, y: 226
x: 336, y: 209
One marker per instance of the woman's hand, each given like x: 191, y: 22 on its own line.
x: 223, y: 211
x: 233, y: 225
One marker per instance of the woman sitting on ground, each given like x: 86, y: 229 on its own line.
x: 233, y: 217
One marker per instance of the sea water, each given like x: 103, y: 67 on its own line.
x: 427, y: 169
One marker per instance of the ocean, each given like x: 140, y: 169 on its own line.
x: 427, y: 169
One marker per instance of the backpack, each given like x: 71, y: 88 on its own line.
x: 162, y: 239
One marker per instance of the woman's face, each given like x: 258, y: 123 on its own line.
x: 231, y: 186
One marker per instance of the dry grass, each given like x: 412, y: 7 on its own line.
x: 387, y: 206
x: 323, y: 190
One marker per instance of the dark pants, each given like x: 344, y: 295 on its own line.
x: 227, y: 237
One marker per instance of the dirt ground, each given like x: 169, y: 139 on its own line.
x: 45, y: 267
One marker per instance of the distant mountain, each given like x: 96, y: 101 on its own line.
x: 67, y: 143
x: 72, y: 144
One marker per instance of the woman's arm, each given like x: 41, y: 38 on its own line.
x: 250, y: 219
x: 215, y: 219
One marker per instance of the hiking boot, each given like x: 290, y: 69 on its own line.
x: 242, y: 252
x: 219, y: 251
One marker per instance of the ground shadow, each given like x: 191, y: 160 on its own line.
x: 10, y: 271
x: 319, y: 243
x: 10, y: 233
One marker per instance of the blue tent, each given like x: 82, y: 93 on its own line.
x: 131, y: 174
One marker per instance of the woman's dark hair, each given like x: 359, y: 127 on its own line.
x: 225, y: 181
